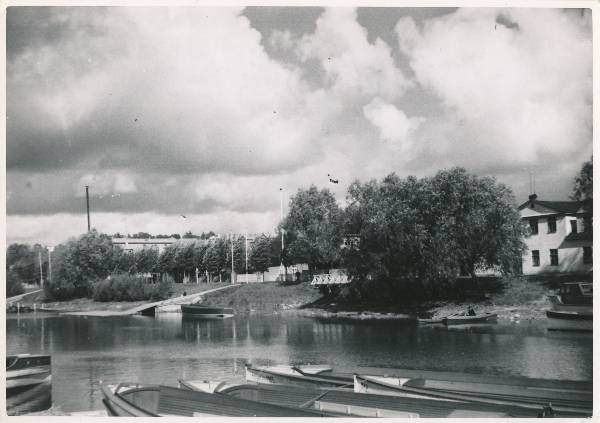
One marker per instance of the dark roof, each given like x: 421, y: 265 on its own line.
x: 580, y: 236
x: 567, y: 207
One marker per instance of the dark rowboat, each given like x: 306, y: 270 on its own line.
x: 202, y: 312
x: 129, y: 400
x: 28, y: 383
x: 348, y: 403
x: 570, y: 321
x: 566, y: 405
x: 457, y: 319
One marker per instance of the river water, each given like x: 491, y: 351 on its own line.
x: 87, y: 350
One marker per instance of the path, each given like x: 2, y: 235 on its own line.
x: 17, y: 298
x: 184, y: 299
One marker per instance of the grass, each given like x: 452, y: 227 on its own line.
x: 267, y: 297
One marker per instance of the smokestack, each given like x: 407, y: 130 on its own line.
x: 87, y: 202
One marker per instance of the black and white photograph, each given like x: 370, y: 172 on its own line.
x: 285, y: 210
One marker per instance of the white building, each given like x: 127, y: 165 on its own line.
x: 560, y: 238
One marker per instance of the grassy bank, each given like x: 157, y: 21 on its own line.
x: 87, y: 304
x: 268, y: 297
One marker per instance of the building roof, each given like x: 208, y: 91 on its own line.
x: 580, y: 236
x: 566, y: 207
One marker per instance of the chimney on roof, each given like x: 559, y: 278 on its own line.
x: 533, y: 197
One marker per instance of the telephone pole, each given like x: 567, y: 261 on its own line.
x: 87, y: 202
x: 41, y: 269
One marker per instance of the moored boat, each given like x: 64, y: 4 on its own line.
x: 133, y: 400
x: 28, y: 383
x: 295, y: 376
x: 346, y: 402
x: 458, y: 319
x: 569, y: 321
x: 564, y: 404
x: 202, y: 312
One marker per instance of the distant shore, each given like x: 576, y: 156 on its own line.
x: 304, y: 300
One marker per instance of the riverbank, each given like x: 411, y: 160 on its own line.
x: 518, y: 300
x: 89, y: 305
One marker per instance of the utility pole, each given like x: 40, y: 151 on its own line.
x: 50, y: 248
x: 246, y: 256
x: 41, y: 271
x: 232, y: 271
x: 87, y: 202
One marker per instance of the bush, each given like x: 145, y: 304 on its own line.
x: 125, y: 287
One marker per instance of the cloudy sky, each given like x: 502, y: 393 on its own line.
x: 206, y: 113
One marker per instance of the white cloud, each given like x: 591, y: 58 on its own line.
x: 353, y: 65
x: 513, y: 92
x: 392, y: 123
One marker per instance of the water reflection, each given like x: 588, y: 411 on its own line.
x: 169, y: 347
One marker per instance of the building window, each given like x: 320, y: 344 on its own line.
x: 587, y: 255
x: 573, y: 226
x: 553, y: 257
x: 552, y: 224
x: 535, y: 258
x: 533, y: 224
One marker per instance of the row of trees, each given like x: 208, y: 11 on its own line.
x: 79, y: 264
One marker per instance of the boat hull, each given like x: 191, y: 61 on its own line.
x: 570, y: 321
x: 469, y: 320
x: 28, y: 383
x: 201, y: 312
x: 268, y: 376
x: 381, y: 386
x: 148, y: 401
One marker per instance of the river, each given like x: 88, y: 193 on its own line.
x: 87, y: 350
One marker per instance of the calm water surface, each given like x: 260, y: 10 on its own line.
x: 162, y: 350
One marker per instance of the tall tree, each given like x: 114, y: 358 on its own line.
x: 583, y: 188
x: 313, y: 228
x: 433, y: 229
x: 80, y: 263
x: 260, y: 256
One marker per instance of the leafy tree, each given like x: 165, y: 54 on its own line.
x: 207, y: 235
x: 213, y: 262
x: 190, y: 235
x: 142, y: 235
x: 260, y: 254
x: 313, y: 228
x: 239, y: 255
x: 20, y: 260
x: 431, y: 230
x: 146, y: 260
x: 83, y: 261
x: 185, y: 259
x: 167, y: 263
x: 583, y: 188
x: 14, y: 285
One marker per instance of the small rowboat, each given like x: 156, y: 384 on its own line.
x: 28, y: 383
x: 570, y: 321
x: 133, y: 400
x: 311, y: 375
x: 295, y: 376
x: 345, y: 402
x: 202, y: 312
x: 457, y: 319
x: 575, y: 405
x: 430, y: 321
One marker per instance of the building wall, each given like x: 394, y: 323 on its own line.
x: 137, y: 244
x: 570, y: 254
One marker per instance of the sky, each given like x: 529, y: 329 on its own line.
x: 192, y: 119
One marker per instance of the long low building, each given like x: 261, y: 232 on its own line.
x: 560, y: 236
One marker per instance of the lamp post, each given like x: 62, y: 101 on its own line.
x: 246, y: 242
x: 50, y: 249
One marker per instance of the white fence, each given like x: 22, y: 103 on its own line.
x: 330, y: 279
